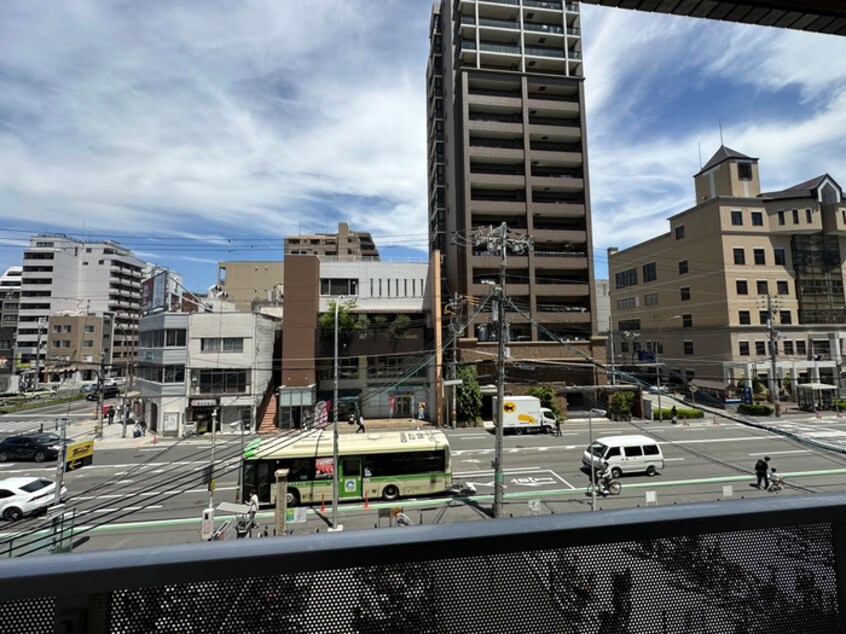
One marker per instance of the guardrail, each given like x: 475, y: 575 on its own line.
x: 773, y: 565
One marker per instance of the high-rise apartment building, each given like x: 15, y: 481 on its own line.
x: 506, y: 141
x: 740, y: 270
x: 343, y: 245
x: 75, y: 277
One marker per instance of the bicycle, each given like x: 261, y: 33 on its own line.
x: 607, y: 486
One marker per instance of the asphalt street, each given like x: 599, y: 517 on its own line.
x: 138, y: 493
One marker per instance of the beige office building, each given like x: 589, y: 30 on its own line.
x: 344, y: 245
x: 703, y: 296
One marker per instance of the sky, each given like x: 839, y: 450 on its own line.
x: 194, y: 133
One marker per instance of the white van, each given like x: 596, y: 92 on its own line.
x: 625, y: 454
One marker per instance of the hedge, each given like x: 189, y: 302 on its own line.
x: 754, y: 410
x: 681, y: 412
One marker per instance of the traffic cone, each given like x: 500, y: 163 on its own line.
x: 715, y: 420
x: 366, y: 503
x: 684, y: 421
x: 323, y: 503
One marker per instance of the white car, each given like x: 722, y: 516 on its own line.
x: 114, y: 380
x: 20, y: 497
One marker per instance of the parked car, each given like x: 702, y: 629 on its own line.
x: 87, y: 387
x: 114, y: 380
x: 38, y: 447
x: 42, y: 392
x: 20, y: 497
x: 110, y: 391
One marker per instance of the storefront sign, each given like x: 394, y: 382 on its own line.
x: 170, y: 422
x: 203, y: 402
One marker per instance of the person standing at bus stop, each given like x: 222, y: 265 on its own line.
x: 360, y: 429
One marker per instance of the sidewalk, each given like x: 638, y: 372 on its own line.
x: 84, y: 429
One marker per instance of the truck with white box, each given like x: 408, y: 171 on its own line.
x: 523, y: 415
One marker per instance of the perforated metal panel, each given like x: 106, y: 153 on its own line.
x: 775, y: 581
x: 33, y: 616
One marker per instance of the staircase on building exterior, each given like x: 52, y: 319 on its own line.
x: 267, y: 424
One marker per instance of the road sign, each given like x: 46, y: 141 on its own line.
x: 296, y: 515
x: 534, y: 507
x: 79, y: 454
x: 449, y: 382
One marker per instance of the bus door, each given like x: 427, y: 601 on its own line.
x: 349, y: 477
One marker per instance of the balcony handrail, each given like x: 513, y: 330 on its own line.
x: 95, y: 588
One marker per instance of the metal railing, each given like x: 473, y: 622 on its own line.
x: 772, y: 565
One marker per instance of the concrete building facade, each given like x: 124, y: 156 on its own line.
x: 65, y: 275
x: 704, y: 296
x: 507, y: 144
x: 343, y: 245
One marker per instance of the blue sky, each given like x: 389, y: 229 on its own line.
x: 199, y: 132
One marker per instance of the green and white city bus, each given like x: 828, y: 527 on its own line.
x: 385, y: 465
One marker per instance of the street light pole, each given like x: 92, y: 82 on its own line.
x: 211, y: 470
x: 592, y: 464
x: 335, y: 425
x: 499, y: 476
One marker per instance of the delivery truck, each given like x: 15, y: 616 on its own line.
x: 523, y: 415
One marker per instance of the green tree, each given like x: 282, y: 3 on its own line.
x: 398, y: 327
x: 620, y: 405
x: 346, y: 320
x: 546, y: 395
x: 468, y: 395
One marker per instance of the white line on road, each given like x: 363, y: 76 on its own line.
x: 777, y: 453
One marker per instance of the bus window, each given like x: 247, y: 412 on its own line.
x: 299, y: 469
x: 351, y: 467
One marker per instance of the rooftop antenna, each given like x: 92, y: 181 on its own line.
x: 700, y: 154
x: 721, y: 132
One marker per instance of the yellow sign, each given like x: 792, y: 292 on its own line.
x: 79, y: 454
x: 212, y: 485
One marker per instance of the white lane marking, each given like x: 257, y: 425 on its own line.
x: 124, y: 482
x: 490, y: 471
x: 672, y: 459
x: 777, y: 453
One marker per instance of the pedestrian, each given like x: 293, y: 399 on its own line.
x: 557, y: 427
x: 143, y: 424
x: 111, y: 414
x: 761, y: 468
x: 421, y: 411
x: 253, y: 505
x: 360, y: 429
x: 674, y: 415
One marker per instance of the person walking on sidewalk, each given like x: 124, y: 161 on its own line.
x: 557, y: 427
x: 674, y: 415
x: 761, y: 468
x: 110, y: 413
x: 360, y: 429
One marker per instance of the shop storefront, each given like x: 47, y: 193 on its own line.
x: 200, y: 414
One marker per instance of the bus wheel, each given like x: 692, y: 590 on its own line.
x: 292, y: 498
x: 390, y: 492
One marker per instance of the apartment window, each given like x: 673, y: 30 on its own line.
x: 744, y: 348
x: 763, y: 317
x: 739, y: 255
x: 222, y: 344
x: 779, y: 256
x: 744, y: 318
x: 757, y: 219
x: 762, y: 287
x: 88, y: 343
x: 57, y: 343
x: 788, y: 347
x: 66, y: 328
x: 760, y: 347
x: 66, y: 343
x: 795, y: 216
x: 629, y: 324
x: 687, y: 321
x: 781, y: 218
x: 175, y: 338
x: 679, y: 232
x: 737, y: 218
x: 627, y: 303
x: 683, y: 267
x: 57, y: 329
x: 649, y: 272
x: 809, y: 218
x: 759, y: 256
x: 742, y: 287
x: 222, y: 381
x: 650, y: 299
x: 88, y: 328
x: 684, y: 293
x: 784, y: 317
x: 687, y: 346
x: 626, y: 278
x: 782, y: 287
x: 744, y: 171
x: 800, y: 347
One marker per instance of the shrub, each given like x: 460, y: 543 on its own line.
x: 620, y: 405
x: 468, y: 395
x: 546, y: 395
x: 755, y: 409
x: 681, y: 412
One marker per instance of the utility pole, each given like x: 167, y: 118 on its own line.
x: 38, y: 354
x: 335, y: 426
x: 212, y: 483
x: 454, y: 307
x: 611, y: 343
x: 773, y: 365
x: 60, y: 463
x: 98, y: 431
x: 498, y: 240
